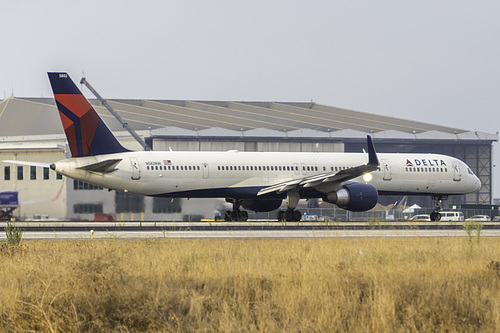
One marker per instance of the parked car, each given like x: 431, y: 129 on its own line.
x: 479, y: 218
x: 452, y: 216
x: 421, y: 218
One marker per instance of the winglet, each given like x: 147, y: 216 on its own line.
x: 372, y: 154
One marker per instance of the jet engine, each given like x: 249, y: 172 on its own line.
x: 356, y: 197
x: 261, y: 205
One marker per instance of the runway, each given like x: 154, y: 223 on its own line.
x: 243, y: 230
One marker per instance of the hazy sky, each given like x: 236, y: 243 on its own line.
x: 432, y: 61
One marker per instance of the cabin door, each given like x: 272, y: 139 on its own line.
x: 387, y: 170
x: 457, y: 176
x: 136, y: 168
x: 204, y: 166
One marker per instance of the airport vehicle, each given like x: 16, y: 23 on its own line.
x: 479, y: 218
x: 8, y: 203
x: 257, y: 181
x: 421, y: 218
x: 452, y: 216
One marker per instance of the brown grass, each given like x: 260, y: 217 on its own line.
x: 362, y: 285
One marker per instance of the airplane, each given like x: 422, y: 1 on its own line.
x: 256, y: 181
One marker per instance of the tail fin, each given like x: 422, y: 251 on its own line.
x: 86, y: 132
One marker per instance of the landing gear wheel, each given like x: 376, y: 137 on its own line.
x: 435, y: 216
x: 235, y: 216
x: 297, y: 216
x: 289, y: 215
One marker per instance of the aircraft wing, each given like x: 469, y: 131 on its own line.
x: 340, y: 176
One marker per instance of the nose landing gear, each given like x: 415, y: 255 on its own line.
x: 435, y: 215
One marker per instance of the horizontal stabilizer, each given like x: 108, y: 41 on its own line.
x: 103, y: 166
x: 36, y: 164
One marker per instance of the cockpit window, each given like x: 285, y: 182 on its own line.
x: 470, y: 171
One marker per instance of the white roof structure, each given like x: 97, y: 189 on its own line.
x: 39, y: 116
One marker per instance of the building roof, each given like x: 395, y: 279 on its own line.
x: 38, y: 116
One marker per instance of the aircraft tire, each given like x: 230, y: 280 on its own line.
x: 289, y: 215
x: 435, y: 216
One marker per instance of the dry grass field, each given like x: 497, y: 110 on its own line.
x: 317, y: 285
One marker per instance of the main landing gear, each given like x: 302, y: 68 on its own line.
x: 235, y: 215
x: 435, y: 215
x: 290, y: 215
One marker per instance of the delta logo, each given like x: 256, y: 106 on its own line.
x: 425, y: 162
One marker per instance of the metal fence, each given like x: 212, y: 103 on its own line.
x: 320, y: 214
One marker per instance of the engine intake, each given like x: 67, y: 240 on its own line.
x: 356, y: 197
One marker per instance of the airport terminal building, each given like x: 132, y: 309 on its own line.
x: 30, y: 130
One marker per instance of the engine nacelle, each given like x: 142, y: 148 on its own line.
x: 356, y: 197
x: 261, y: 205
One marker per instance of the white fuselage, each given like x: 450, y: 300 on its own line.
x: 242, y: 174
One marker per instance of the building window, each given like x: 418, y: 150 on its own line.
x: 58, y: 176
x: 19, y: 172
x: 129, y: 203
x: 166, y: 205
x: 46, y: 173
x: 33, y: 172
x: 83, y: 208
x: 6, y: 173
x: 79, y: 185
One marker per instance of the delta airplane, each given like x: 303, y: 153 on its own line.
x: 257, y: 181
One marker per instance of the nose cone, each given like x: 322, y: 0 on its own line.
x: 477, y: 183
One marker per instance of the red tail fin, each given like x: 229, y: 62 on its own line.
x: 86, y: 133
